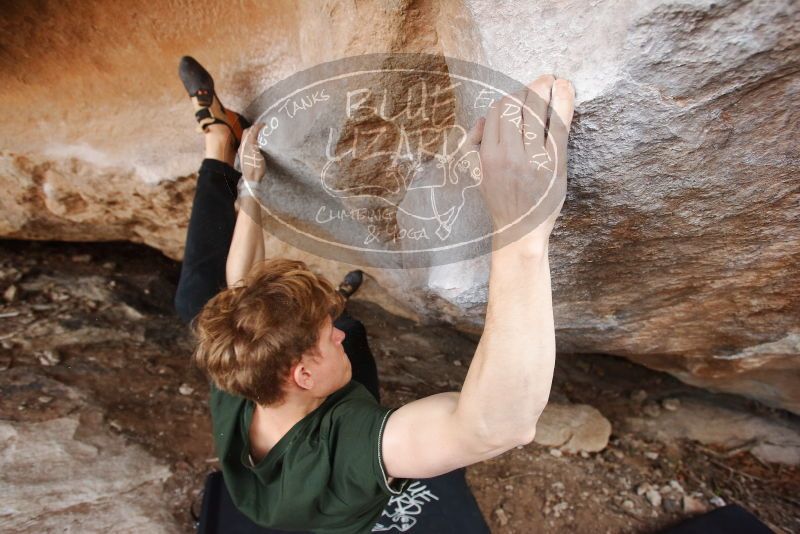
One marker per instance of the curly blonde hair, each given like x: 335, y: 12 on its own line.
x: 250, y: 335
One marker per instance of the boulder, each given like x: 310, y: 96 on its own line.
x: 677, y: 244
x: 573, y: 428
x: 71, y: 473
x: 772, y: 440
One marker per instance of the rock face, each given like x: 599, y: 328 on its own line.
x: 70, y: 473
x: 699, y: 420
x: 678, y: 243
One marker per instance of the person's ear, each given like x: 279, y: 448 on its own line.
x: 302, y: 376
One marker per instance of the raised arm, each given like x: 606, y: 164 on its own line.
x: 247, y: 243
x: 508, y: 382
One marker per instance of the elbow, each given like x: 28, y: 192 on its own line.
x: 498, y: 442
x: 507, y: 443
x: 230, y: 272
x: 524, y: 433
x: 233, y: 274
x: 501, y: 434
x: 526, y: 438
x: 527, y: 432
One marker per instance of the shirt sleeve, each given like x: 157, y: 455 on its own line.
x: 397, y: 485
x: 355, y: 443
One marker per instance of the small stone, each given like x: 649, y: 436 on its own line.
x: 654, y: 498
x: 502, y: 517
x: 110, y: 265
x: 671, y: 405
x: 130, y: 313
x: 584, y: 454
x: 116, y: 426
x: 410, y: 359
x: 57, y: 296
x: 48, y: 357
x: 560, y: 508
x: 674, y: 484
x: 641, y: 489
x: 639, y: 396
x: 555, y: 452
x: 509, y: 487
x: 628, y: 504
x: 717, y: 501
x: 457, y: 363
x: 185, y: 389
x: 81, y: 258
x: 672, y: 504
x: 693, y: 505
x: 45, y: 399
x: 672, y: 451
x: 10, y: 293
x: 558, y: 487
x: 651, y: 455
x: 651, y: 409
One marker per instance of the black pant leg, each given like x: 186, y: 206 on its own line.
x: 208, y: 238
x: 203, y: 271
x: 355, y: 344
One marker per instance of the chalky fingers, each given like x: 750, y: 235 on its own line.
x: 563, y: 107
x: 510, y: 115
x: 535, y: 113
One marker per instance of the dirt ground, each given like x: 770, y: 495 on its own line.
x: 125, y: 349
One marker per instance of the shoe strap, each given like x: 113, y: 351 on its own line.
x: 205, y: 118
x: 203, y: 97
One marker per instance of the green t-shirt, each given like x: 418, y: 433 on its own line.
x: 325, y: 475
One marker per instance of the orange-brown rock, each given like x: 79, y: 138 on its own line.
x: 678, y: 244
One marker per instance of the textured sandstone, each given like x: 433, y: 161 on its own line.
x: 678, y: 243
x: 71, y: 474
x: 768, y: 440
x: 573, y: 428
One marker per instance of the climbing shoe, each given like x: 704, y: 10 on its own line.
x: 208, y: 109
x: 352, y: 281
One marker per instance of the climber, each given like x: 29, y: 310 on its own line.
x: 301, y: 437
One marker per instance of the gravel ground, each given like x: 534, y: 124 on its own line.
x: 97, y: 319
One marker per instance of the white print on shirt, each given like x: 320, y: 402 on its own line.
x: 403, y: 509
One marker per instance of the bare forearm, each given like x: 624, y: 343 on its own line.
x: 509, y: 380
x: 247, y: 244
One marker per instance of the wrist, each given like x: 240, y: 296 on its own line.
x: 250, y: 188
x: 532, y: 246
